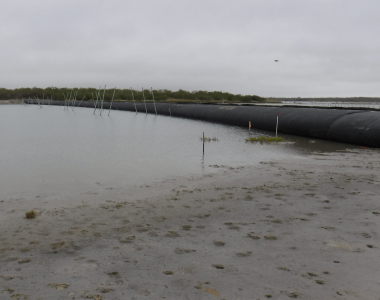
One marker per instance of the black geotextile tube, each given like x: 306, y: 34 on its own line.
x: 360, y: 127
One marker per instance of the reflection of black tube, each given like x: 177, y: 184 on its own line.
x: 360, y: 127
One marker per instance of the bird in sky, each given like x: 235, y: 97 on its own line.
x: 276, y: 60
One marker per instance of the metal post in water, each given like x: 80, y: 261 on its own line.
x: 134, y: 100
x: 146, y: 111
x: 170, y: 112
x: 111, y: 101
x: 277, y: 124
x: 153, y: 101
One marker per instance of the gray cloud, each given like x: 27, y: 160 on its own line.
x: 325, y: 48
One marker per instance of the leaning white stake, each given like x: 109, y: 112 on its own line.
x: 111, y: 101
x: 146, y: 111
x: 134, y: 100
x: 103, y: 99
x: 153, y: 101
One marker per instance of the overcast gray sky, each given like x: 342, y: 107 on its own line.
x: 324, y: 47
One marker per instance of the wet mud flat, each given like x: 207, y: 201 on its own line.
x: 300, y: 228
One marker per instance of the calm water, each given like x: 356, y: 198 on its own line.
x: 51, y: 149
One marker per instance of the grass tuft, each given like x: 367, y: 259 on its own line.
x: 265, y: 139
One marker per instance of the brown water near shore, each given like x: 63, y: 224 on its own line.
x: 300, y: 227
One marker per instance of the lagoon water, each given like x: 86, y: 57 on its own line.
x: 48, y: 149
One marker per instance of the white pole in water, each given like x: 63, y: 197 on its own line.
x: 153, y: 101
x: 97, y: 96
x: 75, y: 98
x: 146, y: 111
x: 81, y: 101
x: 68, y: 102
x: 134, y: 100
x: 103, y: 100
x: 277, y: 124
x: 111, y: 101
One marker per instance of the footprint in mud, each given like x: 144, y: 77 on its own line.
x: 253, y: 236
x: 366, y: 235
x: 8, y: 291
x: 128, y: 240
x: 328, y: 227
x: 219, y: 243
x: 200, y: 216
x: 243, y: 254
x: 19, y: 297
x: 277, y: 221
x: 57, y: 245
x: 145, y: 293
x: 182, y: 251
x: 270, y: 237
x: 114, y: 274
x: 95, y: 297
x: 220, y: 267
x: 319, y: 281
x: 105, y: 290
x: 294, y: 295
x: 186, y: 227
x: 168, y: 272
x: 172, y: 234
x: 59, y: 286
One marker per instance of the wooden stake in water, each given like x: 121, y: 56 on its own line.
x: 277, y: 124
x: 111, y: 101
x: 249, y: 128
x: 146, y: 111
x: 203, y: 143
x: 170, y: 112
x: 153, y: 101
x: 134, y: 100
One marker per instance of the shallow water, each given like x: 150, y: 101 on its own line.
x: 49, y: 149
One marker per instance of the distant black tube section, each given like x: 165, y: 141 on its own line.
x: 360, y: 127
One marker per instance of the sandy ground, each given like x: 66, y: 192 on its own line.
x: 301, y: 228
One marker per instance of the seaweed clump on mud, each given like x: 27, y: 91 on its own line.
x: 30, y: 214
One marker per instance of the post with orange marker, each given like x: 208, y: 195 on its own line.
x: 249, y: 128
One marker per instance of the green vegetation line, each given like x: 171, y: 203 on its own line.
x: 126, y: 95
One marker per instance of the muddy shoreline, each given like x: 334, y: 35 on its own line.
x: 301, y: 228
